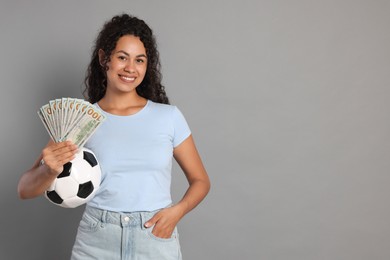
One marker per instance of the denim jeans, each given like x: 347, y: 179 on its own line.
x: 109, y: 235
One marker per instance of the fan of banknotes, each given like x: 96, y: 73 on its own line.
x: 71, y: 119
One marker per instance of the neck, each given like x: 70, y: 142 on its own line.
x: 127, y: 104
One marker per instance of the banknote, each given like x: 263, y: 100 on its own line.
x: 71, y: 119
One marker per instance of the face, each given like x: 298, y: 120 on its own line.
x: 127, y: 65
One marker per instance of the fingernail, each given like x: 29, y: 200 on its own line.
x: 147, y: 224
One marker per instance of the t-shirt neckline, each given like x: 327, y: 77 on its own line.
x: 126, y: 116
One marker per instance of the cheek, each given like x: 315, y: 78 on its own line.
x: 109, y: 73
x: 144, y: 72
x: 113, y: 67
x: 143, y: 77
x: 144, y: 69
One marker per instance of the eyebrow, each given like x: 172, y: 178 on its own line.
x: 138, y: 56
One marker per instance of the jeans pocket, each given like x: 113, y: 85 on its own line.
x: 89, y: 223
x: 173, y: 236
x: 148, y: 215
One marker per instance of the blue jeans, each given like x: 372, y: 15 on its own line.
x: 109, y: 235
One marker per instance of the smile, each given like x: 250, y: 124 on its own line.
x: 127, y: 79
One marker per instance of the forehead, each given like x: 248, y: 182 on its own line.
x: 130, y: 44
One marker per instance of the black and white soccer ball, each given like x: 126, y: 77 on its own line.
x: 77, y: 183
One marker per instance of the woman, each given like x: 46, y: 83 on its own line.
x: 131, y: 215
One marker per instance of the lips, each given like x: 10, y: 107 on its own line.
x: 127, y: 78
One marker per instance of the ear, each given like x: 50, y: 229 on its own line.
x: 102, y: 56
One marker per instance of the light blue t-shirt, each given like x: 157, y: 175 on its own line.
x: 135, y: 155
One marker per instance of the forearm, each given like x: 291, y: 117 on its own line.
x: 35, y: 181
x: 196, y: 192
x: 189, y: 160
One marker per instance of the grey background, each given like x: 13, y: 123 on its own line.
x: 288, y: 102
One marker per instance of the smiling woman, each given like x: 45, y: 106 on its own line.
x: 132, y: 213
x: 115, y: 33
x: 127, y: 65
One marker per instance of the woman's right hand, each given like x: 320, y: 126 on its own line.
x: 55, y: 155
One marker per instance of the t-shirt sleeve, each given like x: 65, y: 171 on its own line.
x: 181, y: 128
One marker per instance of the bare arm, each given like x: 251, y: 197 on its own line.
x: 188, y: 158
x: 190, y: 162
x: 36, y: 180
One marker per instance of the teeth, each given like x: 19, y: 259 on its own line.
x: 127, y: 78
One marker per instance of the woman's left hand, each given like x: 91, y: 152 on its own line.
x: 165, y: 221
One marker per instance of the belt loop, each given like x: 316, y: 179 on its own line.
x: 103, y: 218
x: 143, y: 218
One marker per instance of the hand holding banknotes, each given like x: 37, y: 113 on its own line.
x: 69, y: 122
x: 55, y: 155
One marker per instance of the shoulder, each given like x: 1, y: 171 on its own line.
x: 168, y: 113
x: 163, y: 108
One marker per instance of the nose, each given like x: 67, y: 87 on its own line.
x: 129, y: 67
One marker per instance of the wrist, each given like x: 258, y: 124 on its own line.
x: 48, y: 171
x: 182, y: 208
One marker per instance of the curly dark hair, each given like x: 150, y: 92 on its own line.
x: 96, y: 77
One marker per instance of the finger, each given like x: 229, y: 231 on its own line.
x: 67, y: 150
x: 60, y: 155
x: 57, y: 166
x: 162, y: 232
x: 65, y: 158
x: 64, y: 146
x: 55, y: 149
x: 55, y: 160
x: 152, y: 221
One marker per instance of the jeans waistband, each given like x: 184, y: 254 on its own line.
x: 120, y: 218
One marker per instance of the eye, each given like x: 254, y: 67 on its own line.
x: 140, y: 60
x: 122, y: 58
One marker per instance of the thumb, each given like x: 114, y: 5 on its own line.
x: 151, y: 221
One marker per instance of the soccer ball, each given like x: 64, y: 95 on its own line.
x: 77, y: 183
